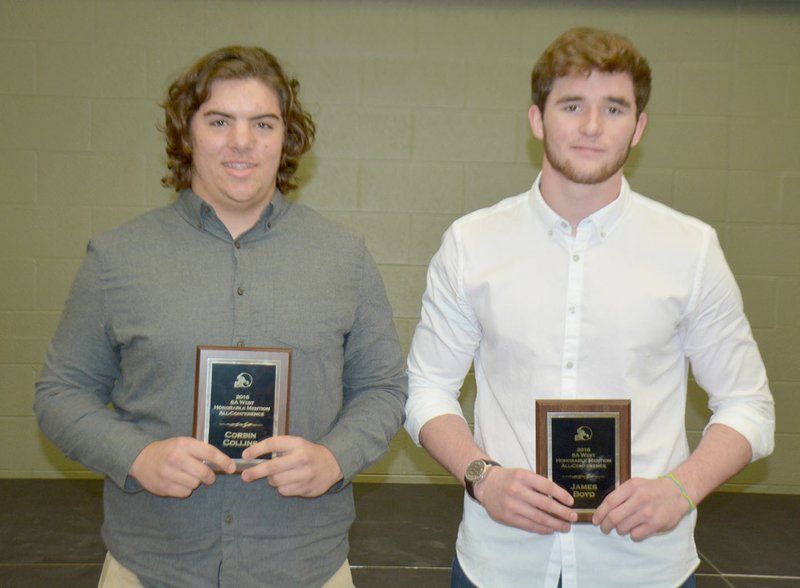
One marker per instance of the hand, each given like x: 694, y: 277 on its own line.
x: 641, y: 508
x: 525, y: 500
x: 174, y: 467
x: 297, y: 468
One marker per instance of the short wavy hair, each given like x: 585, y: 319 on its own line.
x: 583, y: 50
x: 193, y: 87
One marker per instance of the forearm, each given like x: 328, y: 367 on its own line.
x: 85, y: 429
x: 362, y: 434
x: 449, y: 441
x: 96, y: 438
x: 721, y: 454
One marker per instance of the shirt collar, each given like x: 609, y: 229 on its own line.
x: 601, y: 223
x: 200, y: 214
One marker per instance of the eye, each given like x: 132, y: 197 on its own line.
x: 571, y: 108
x: 218, y: 122
x: 264, y: 125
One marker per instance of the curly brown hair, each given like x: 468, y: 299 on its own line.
x: 193, y: 87
x: 583, y: 50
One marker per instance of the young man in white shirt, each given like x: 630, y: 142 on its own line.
x: 582, y: 289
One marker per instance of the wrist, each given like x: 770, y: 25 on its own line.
x: 480, y: 489
x: 475, y: 473
x: 684, y: 494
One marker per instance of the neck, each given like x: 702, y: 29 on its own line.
x: 238, y: 225
x: 239, y: 220
x: 238, y: 216
x: 572, y: 201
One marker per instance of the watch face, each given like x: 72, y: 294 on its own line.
x: 475, y: 470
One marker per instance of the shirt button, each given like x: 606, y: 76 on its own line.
x: 228, y: 519
x: 240, y: 291
x: 572, y: 310
x: 237, y: 244
x: 564, y: 225
x: 240, y: 344
x: 576, y: 257
x: 570, y: 365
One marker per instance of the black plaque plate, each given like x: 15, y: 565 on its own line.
x: 584, y: 447
x: 241, y: 397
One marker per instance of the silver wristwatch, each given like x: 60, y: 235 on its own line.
x: 475, y: 472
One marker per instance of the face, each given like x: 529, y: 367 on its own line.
x: 237, y: 139
x: 589, y: 126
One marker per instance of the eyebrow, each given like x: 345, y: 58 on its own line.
x: 271, y: 115
x: 619, y: 100
x: 613, y: 99
x: 565, y: 99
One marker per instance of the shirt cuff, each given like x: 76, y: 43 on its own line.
x: 759, y: 433
x: 424, y: 404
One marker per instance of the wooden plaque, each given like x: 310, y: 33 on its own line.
x: 584, y: 446
x: 241, y: 397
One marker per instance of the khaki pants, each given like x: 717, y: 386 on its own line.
x: 115, y: 575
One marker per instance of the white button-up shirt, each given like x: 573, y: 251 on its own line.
x: 619, y: 310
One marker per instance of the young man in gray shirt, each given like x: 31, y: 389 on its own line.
x: 232, y: 263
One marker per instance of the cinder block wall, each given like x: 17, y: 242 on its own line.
x: 421, y: 109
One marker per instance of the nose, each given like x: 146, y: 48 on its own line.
x: 592, y: 123
x: 241, y: 136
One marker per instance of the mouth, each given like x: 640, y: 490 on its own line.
x: 238, y: 165
x: 588, y: 151
x: 588, y: 148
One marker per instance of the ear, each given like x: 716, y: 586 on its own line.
x: 639, y: 130
x: 537, y: 124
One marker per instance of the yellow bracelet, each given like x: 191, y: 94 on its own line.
x: 675, y: 481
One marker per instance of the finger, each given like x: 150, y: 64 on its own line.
x: 180, y: 461
x: 556, y: 515
x: 642, y: 532
x: 553, y: 490
x: 223, y: 463
x: 622, y: 518
x: 279, y: 444
x: 258, y: 450
x: 270, y: 467
x: 611, y: 502
x: 547, y: 487
x: 205, y: 454
x: 182, y: 485
x: 175, y: 483
x: 191, y: 472
x: 292, y: 486
x: 532, y: 509
x: 560, y: 512
x: 258, y: 471
x: 538, y: 517
x: 601, y: 512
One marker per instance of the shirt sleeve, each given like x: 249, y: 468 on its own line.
x: 73, y: 393
x: 374, y: 382
x: 444, y: 342
x: 724, y: 356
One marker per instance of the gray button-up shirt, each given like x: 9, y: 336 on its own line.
x: 145, y: 296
